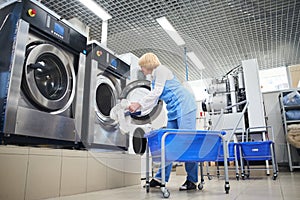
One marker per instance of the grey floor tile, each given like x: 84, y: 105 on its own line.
x: 286, y: 187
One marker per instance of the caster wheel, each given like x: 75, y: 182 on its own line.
x: 209, y: 177
x: 200, y: 186
x: 227, y: 187
x: 147, y: 188
x: 166, y: 194
x: 274, y: 177
x: 237, y: 178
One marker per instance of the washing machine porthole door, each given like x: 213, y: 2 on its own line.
x: 49, y: 78
x: 136, y: 90
x: 107, y: 95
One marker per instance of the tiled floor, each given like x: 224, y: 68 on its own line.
x: 285, y: 187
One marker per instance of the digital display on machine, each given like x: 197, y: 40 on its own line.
x: 59, y: 29
x: 114, y: 63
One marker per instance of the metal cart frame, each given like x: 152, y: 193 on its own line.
x: 229, y: 136
x: 225, y: 141
x: 163, y: 188
x: 272, y: 157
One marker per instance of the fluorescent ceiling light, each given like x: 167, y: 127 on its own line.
x: 95, y: 8
x: 167, y: 26
x: 192, y: 56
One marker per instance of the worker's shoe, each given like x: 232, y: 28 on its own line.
x: 188, y: 185
x: 155, y: 183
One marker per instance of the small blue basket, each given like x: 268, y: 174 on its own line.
x: 231, y: 157
x: 183, y: 146
x: 256, y: 150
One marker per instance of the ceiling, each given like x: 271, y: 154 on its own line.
x: 222, y: 33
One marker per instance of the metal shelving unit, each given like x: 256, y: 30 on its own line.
x: 284, y: 108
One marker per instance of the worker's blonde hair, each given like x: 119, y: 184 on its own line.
x: 149, y: 61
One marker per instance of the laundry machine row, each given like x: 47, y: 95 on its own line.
x: 57, y: 90
x: 41, y: 74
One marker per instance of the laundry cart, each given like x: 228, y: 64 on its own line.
x: 262, y: 150
x: 168, y: 145
x: 233, y: 155
x: 232, y: 146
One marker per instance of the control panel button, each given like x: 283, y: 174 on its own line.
x: 31, y: 12
x: 98, y: 53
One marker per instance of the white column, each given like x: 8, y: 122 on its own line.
x: 253, y: 93
x: 104, y: 33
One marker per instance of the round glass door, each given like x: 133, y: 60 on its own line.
x: 49, y: 78
x: 107, y: 93
x: 133, y: 92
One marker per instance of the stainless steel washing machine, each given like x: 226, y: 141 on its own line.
x: 42, y: 76
x: 105, y: 78
x: 106, y: 85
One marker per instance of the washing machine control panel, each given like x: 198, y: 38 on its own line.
x: 50, y: 24
x: 109, y: 62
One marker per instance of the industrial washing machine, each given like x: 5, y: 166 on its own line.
x: 108, y: 76
x: 42, y: 74
x: 105, y: 78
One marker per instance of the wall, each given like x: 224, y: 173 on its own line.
x: 273, y: 114
x: 37, y: 173
x: 295, y: 75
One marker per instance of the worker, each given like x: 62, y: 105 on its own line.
x: 181, y: 107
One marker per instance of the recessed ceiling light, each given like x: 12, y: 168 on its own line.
x: 97, y: 9
x: 170, y: 30
x: 192, y: 56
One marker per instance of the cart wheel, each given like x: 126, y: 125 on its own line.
x: 200, y: 186
x: 243, y: 176
x: 274, y: 176
x: 209, y: 177
x: 237, y: 177
x: 227, y: 191
x: 147, y: 188
x: 227, y: 187
x: 165, y: 192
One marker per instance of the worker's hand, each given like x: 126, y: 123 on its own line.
x: 134, y: 106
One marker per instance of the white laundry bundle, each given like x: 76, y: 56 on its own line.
x: 117, y: 113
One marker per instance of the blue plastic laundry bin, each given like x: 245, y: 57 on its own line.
x: 256, y: 150
x: 183, y: 146
x: 231, y: 157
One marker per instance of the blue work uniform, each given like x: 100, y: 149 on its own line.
x: 182, y: 108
